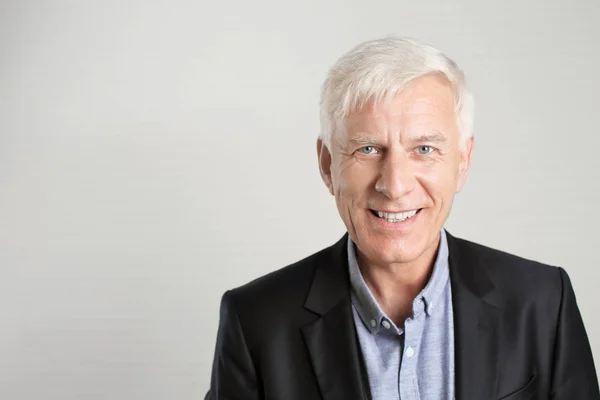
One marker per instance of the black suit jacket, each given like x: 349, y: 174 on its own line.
x: 518, y: 332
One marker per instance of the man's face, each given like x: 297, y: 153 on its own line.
x: 392, y: 161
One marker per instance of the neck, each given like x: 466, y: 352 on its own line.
x: 396, y: 285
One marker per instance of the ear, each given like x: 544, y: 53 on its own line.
x: 465, y: 163
x: 324, y: 156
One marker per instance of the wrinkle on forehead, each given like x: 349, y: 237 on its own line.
x: 413, y: 115
x: 416, y: 98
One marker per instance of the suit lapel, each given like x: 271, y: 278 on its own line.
x: 333, y: 346
x: 331, y: 338
x: 477, y: 323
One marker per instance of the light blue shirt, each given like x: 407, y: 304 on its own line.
x: 417, y: 362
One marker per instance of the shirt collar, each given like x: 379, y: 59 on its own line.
x: 369, y: 310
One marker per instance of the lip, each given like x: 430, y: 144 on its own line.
x: 395, y: 212
x: 402, y: 227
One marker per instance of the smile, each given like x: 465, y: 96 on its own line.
x: 395, y: 217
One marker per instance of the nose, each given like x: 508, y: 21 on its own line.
x: 397, y: 176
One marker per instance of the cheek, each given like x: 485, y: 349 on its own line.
x: 439, y: 180
x: 351, y: 175
x: 357, y: 180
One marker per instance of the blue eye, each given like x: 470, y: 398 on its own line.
x: 367, y: 150
x: 424, y: 149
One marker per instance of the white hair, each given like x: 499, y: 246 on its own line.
x: 376, y: 70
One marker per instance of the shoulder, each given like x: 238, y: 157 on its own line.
x: 275, y: 302
x: 510, y: 273
x: 288, y: 286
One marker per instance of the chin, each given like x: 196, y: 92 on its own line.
x: 387, y: 248
x: 398, y: 251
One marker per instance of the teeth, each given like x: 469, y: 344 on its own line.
x: 398, y: 217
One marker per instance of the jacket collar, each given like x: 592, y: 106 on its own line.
x: 477, y: 322
x: 332, y: 339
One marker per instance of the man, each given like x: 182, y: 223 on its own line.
x: 399, y: 308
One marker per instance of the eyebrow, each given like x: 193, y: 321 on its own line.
x: 431, y: 137
x: 363, y: 139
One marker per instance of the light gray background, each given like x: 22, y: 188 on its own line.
x: 154, y: 154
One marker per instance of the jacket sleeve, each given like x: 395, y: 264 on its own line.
x: 574, y: 374
x: 233, y: 373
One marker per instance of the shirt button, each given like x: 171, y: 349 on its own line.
x: 373, y: 323
x: 386, y: 325
x: 410, y: 352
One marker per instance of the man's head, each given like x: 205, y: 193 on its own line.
x: 396, y: 139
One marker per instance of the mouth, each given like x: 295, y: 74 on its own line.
x: 395, y: 217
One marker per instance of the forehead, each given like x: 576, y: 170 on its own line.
x: 427, y: 100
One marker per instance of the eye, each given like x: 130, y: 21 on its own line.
x: 425, y: 149
x: 368, y: 150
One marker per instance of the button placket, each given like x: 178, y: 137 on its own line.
x: 411, y: 332
x: 408, y: 369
